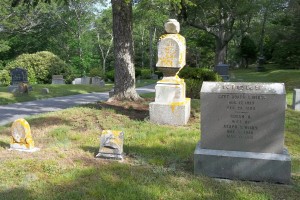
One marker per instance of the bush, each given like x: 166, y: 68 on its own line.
x: 138, y: 72
x: 110, y: 75
x: 96, y: 72
x: 145, y: 74
x: 4, y: 78
x: 194, y: 78
x: 41, y: 66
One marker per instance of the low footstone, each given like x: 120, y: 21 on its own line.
x: 45, y: 91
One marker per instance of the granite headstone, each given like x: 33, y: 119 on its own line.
x: 296, y: 99
x: 242, y: 132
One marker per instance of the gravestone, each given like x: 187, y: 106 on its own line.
x: 111, y: 145
x: 296, y: 99
x: 45, y: 91
x: 98, y: 81
x: 222, y: 70
x: 18, y: 75
x: 77, y: 81
x: 21, y: 138
x: 242, y: 132
x: 58, y: 79
x: 86, y: 80
x: 171, y: 105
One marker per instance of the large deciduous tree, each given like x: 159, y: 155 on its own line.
x: 123, y: 50
x: 217, y: 18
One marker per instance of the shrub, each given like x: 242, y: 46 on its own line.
x: 4, y: 77
x: 96, y: 72
x: 41, y: 66
x: 194, y: 78
x: 145, y: 73
x: 138, y: 72
x: 110, y: 75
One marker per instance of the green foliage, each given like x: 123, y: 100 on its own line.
x: 96, y: 72
x: 248, y: 49
x: 194, y: 78
x: 41, y: 66
x: 145, y: 73
x: 4, y: 78
x: 110, y: 75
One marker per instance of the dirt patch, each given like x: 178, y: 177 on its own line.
x: 138, y: 110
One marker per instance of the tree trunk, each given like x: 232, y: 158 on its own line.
x: 220, y: 52
x: 123, y: 50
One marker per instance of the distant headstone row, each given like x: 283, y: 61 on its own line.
x: 89, y: 81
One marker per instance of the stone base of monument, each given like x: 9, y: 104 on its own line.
x: 18, y: 147
x: 110, y: 156
x: 176, y: 113
x: 240, y: 165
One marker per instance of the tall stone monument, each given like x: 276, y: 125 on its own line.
x: 242, y: 132
x: 171, y: 105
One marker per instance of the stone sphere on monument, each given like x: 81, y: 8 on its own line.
x: 172, y: 26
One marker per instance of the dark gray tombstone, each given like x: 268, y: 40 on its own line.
x: 223, y: 71
x: 242, y: 132
x: 18, y: 75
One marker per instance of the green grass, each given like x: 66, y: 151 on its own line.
x: 56, y: 91
x: 291, y: 78
x: 158, y: 162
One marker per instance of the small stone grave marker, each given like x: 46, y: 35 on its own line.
x: 21, y: 139
x: 111, y: 145
x: 58, y: 79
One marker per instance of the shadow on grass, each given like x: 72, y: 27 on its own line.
x: 41, y: 122
x: 4, y: 144
x: 132, y: 113
x: 93, y: 150
x: 16, y: 193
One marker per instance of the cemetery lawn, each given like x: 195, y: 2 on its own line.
x: 56, y: 91
x: 158, y: 162
x: 291, y: 78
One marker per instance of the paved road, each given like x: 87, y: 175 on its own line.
x: 11, y: 112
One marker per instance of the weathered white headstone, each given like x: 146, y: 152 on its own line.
x: 21, y: 139
x: 111, y: 145
x: 242, y: 132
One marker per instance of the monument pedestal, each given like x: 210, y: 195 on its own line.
x: 170, y: 106
x: 240, y: 165
x: 176, y: 113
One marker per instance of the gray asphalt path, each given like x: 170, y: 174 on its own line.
x: 11, y: 112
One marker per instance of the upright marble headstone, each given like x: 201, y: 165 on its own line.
x: 296, y: 99
x: 171, y: 105
x: 242, y: 132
